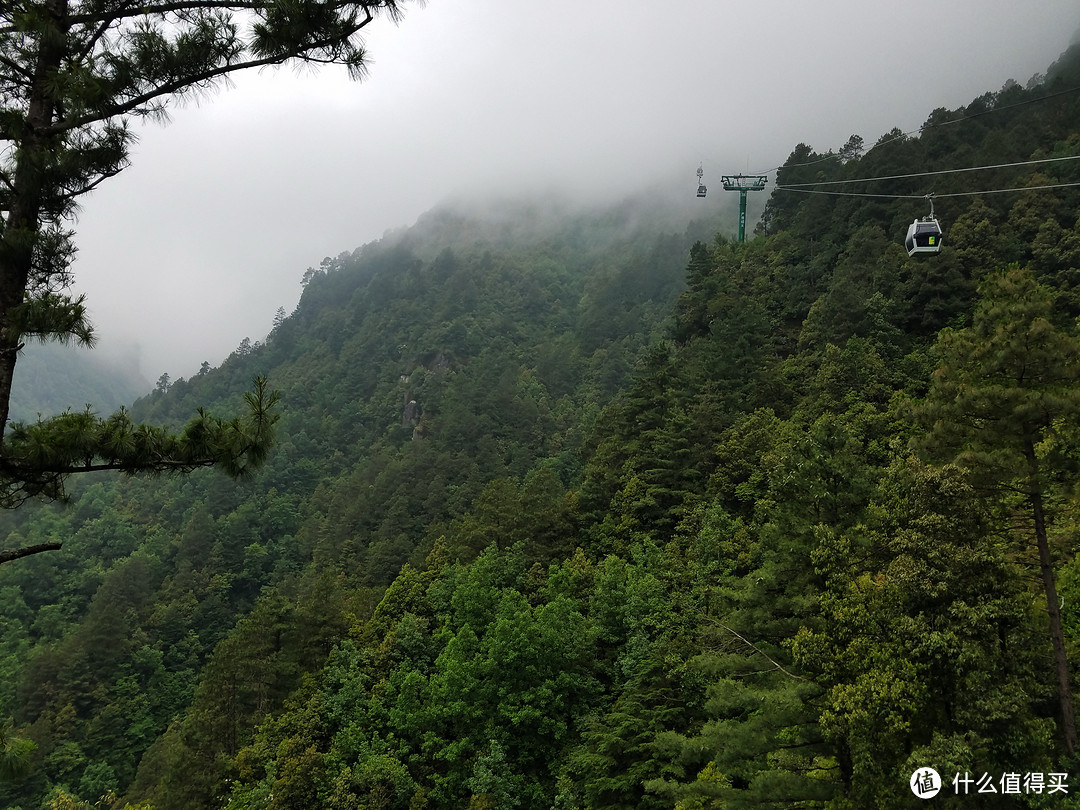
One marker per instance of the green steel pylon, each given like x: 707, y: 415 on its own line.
x: 743, y: 183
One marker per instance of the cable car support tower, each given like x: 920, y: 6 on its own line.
x: 741, y: 183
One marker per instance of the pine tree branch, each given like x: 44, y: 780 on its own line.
x: 759, y: 651
x: 106, y: 21
x: 150, y: 467
x: 158, y: 9
x: 131, y: 106
x: 16, y: 554
x: 17, y: 69
x: 91, y: 185
x: 35, y: 459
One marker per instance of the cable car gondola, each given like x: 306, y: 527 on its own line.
x: 924, y: 235
x: 701, y: 190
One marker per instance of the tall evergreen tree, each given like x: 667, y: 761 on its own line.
x: 925, y: 647
x: 73, y: 75
x: 1003, y: 403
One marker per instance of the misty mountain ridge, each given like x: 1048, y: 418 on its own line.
x: 522, y: 221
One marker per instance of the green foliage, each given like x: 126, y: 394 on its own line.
x: 15, y: 754
x: 1003, y: 402
x: 73, y: 79
x: 1007, y: 384
x: 50, y: 379
x: 927, y: 640
x: 326, y: 523
x: 558, y: 518
x: 39, y: 457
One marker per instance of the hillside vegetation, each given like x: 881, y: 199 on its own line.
x: 593, y: 511
x: 52, y: 378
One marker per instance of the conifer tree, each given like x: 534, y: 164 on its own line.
x: 74, y: 74
x: 924, y: 648
x: 1002, y: 404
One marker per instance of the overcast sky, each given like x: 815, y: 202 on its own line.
x: 196, y: 245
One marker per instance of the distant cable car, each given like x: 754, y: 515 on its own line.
x: 700, y: 186
x: 924, y: 235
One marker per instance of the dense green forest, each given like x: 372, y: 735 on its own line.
x: 599, y: 509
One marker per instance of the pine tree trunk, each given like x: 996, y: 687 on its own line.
x: 24, y: 217
x: 1057, y: 634
x: 18, y: 554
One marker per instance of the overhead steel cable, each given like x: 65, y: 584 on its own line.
x: 935, y: 195
x: 935, y: 125
x: 793, y: 186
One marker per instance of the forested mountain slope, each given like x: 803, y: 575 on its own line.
x: 594, y: 516
x: 52, y: 378
x: 469, y: 350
